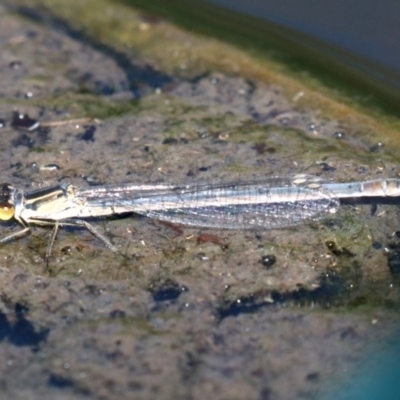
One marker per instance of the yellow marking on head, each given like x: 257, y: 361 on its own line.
x: 6, y: 212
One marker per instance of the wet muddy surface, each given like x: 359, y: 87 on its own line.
x: 188, y: 312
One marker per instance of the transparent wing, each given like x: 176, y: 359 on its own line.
x: 252, y: 216
x: 271, y: 203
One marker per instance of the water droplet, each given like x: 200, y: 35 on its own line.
x: 268, y: 261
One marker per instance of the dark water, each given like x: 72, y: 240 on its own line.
x: 354, y: 40
x: 361, y: 35
x: 369, y: 29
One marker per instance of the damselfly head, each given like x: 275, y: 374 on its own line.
x: 6, y: 201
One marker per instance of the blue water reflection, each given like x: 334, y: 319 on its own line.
x: 379, y: 378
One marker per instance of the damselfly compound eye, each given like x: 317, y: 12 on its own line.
x: 6, y: 202
x: 6, y: 212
